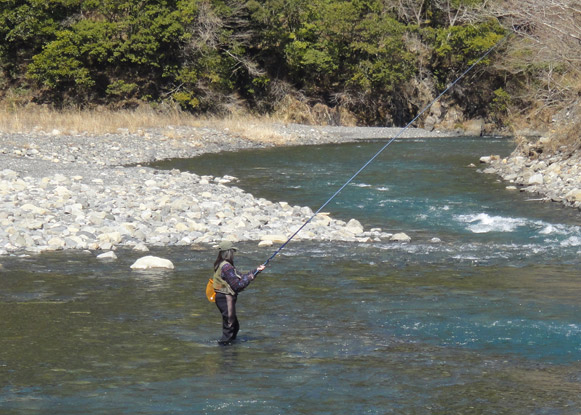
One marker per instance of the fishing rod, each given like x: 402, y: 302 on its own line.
x: 450, y: 86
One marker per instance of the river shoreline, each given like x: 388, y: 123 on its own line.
x: 91, y: 192
x: 551, y: 177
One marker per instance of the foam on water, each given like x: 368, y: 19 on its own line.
x: 554, y: 229
x: 560, y: 234
x: 484, y: 223
x: 571, y: 241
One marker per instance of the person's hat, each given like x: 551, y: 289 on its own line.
x: 226, y: 245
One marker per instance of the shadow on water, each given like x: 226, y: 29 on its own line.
x: 481, y: 323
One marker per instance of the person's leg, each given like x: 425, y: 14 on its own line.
x: 227, y: 306
x: 232, y: 317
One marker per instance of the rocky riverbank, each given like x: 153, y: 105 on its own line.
x: 90, y: 192
x: 554, y: 177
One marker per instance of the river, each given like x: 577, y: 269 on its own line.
x: 479, y: 314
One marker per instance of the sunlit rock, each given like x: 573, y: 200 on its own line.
x: 149, y: 262
x: 536, y: 179
x: 107, y: 255
x: 354, y: 226
x: 141, y: 247
x: 274, y: 238
x: 400, y: 237
x: 574, y: 195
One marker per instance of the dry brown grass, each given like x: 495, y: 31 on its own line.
x: 34, y: 119
x: 257, y: 129
x: 567, y: 138
x: 564, y: 136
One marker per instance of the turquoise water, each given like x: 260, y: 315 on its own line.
x: 485, y: 322
x: 424, y: 188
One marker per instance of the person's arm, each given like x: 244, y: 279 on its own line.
x: 237, y: 281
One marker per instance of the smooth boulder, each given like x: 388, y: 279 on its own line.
x: 400, y: 237
x: 107, y: 255
x: 149, y: 262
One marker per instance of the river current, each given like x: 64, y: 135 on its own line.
x: 485, y: 319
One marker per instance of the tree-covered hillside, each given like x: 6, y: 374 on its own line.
x: 375, y: 61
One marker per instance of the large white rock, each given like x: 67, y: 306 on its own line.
x: 574, y: 195
x: 56, y: 243
x: 148, y: 262
x: 536, y: 179
x: 400, y: 237
x: 322, y: 219
x: 9, y: 174
x: 181, y: 227
x: 112, y: 237
x: 33, y: 224
x: 489, y: 159
x: 274, y: 238
x: 75, y: 242
x: 354, y: 226
x: 27, y: 207
x: 107, y: 255
x: 141, y: 247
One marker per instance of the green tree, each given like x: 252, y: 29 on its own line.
x: 380, y: 66
x: 119, y: 50
x: 379, y: 59
x: 26, y: 26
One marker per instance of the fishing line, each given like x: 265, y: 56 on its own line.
x: 383, y: 148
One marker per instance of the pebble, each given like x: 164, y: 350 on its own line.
x: 556, y: 177
x: 91, y: 193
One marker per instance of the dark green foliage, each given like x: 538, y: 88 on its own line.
x: 500, y: 105
x: 26, y: 26
x: 204, y: 54
x: 120, y: 50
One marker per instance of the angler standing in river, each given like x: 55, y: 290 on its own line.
x: 228, y: 282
